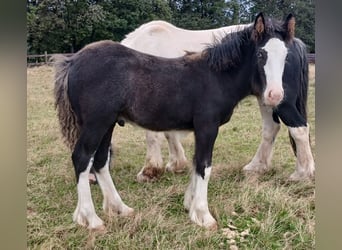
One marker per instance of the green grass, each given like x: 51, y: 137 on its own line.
x: 275, y: 213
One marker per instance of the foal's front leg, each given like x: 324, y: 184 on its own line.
x: 196, y: 200
x: 299, y: 131
x: 262, y: 158
x: 305, y: 165
x: 196, y: 195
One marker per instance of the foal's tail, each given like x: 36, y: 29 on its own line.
x: 301, y: 102
x: 67, y: 119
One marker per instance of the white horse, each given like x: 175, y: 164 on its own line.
x: 161, y: 38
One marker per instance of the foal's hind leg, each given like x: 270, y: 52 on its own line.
x: 112, y: 202
x: 177, y: 160
x: 85, y: 214
x: 262, y: 159
x: 153, y: 167
x: 83, y: 158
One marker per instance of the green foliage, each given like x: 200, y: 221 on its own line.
x: 199, y: 14
x: 61, y: 26
x: 66, y: 26
x: 303, y: 10
x: 129, y: 14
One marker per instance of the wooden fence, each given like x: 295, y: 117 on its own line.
x: 37, y: 60
x: 311, y: 58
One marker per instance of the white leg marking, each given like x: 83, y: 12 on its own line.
x: 189, y: 193
x: 177, y: 160
x: 85, y: 211
x: 305, y: 166
x: 262, y: 158
x: 153, y: 167
x: 199, y: 210
x: 112, y: 202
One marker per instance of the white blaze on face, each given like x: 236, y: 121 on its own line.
x: 274, y: 69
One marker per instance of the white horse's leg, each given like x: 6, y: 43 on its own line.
x: 112, y: 203
x: 153, y: 167
x: 196, y: 200
x: 262, y: 158
x: 177, y: 160
x: 305, y: 166
x: 85, y: 214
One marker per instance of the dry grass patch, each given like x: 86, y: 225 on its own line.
x: 263, y: 212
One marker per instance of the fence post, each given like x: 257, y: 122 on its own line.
x: 46, y: 59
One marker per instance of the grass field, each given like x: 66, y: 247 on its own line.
x: 265, y: 212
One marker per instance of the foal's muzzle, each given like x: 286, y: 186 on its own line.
x: 273, y: 96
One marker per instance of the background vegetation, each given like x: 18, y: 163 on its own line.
x: 63, y: 26
x: 253, y: 212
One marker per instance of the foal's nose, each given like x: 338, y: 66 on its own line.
x: 274, y: 97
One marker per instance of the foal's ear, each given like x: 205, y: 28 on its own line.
x: 259, y: 27
x: 289, y: 26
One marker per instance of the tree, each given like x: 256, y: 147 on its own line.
x: 126, y: 15
x: 303, y: 10
x: 239, y: 11
x: 59, y: 26
x: 199, y: 14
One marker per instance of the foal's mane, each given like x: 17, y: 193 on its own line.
x: 227, y: 53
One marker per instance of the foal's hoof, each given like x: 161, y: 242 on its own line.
x: 212, y: 227
x: 127, y: 211
x: 123, y: 210
x: 87, y: 219
x: 203, y: 219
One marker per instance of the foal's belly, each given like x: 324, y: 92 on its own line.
x: 162, y: 122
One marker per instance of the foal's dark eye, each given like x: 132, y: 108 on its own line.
x: 259, y: 54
